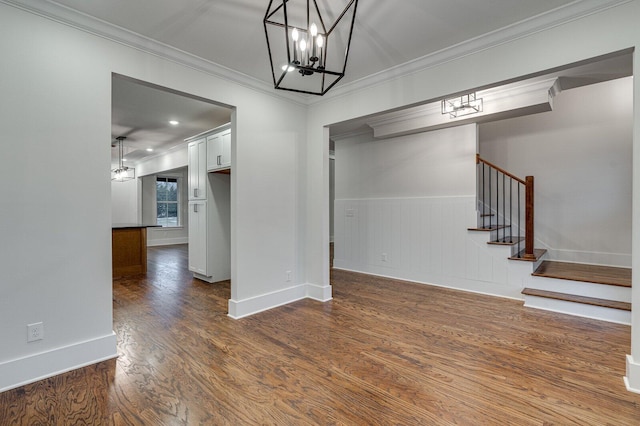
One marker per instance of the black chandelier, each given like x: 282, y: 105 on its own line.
x: 306, y: 55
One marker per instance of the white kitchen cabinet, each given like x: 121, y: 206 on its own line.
x: 210, y: 205
x: 197, y: 154
x: 219, y: 149
x: 198, y: 237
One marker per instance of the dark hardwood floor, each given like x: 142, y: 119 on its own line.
x: 382, y: 352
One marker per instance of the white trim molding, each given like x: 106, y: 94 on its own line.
x: 253, y: 305
x: 536, y: 24
x: 632, y: 378
x: 32, y: 368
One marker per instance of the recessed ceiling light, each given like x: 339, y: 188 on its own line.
x: 150, y: 149
x: 174, y: 122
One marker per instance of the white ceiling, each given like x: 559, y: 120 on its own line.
x: 141, y: 112
x: 386, y: 34
x: 389, y: 37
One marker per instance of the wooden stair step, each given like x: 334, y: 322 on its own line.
x: 507, y: 241
x: 489, y: 228
x: 487, y: 215
x: 538, y: 253
x: 578, y: 299
x: 598, y: 274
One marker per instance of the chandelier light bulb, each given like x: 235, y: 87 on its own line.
x: 294, y: 34
x: 313, y: 30
x: 320, y: 42
x: 303, y: 45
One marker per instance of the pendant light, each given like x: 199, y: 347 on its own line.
x: 308, y: 53
x: 122, y: 173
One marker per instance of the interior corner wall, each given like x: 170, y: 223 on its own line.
x: 56, y: 267
x: 580, y: 156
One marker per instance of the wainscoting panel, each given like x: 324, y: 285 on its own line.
x: 424, y: 240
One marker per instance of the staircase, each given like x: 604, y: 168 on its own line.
x: 594, y: 291
x: 505, y: 211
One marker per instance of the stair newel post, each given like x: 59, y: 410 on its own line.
x: 528, y: 241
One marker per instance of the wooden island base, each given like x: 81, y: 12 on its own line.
x: 129, y: 250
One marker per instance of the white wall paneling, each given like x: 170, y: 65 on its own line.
x: 424, y: 240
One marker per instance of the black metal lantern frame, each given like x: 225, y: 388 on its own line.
x: 313, y: 57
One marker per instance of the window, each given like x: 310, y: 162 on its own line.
x: 167, y: 203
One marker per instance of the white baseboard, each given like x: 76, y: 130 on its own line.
x: 319, y: 293
x: 454, y: 283
x: 166, y: 241
x: 632, y: 379
x: 29, y: 369
x: 253, y: 305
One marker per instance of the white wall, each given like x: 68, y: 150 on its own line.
x: 56, y: 266
x: 610, y: 30
x: 580, y: 156
x: 124, y: 201
x: 430, y: 164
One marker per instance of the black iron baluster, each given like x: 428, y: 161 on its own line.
x: 490, y: 200
x: 504, y: 211
x: 519, y: 215
x: 484, y: 200
x: 511, y: 210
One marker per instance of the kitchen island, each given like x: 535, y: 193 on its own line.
x: 129, y: 249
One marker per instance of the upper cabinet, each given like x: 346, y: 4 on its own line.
x: 219, y: 149
x: 197, y: 152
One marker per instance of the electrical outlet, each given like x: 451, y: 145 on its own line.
x: 383, y: 257
x: 35, y: 331
x: 288, y: 273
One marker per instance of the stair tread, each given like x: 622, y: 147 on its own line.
x: 506, y: 241
x: 614, y: 304
x: 597, y: 274
x: 538, y: 253
x: 489, y: 228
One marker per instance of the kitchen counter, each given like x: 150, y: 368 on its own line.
x: 129, y: 248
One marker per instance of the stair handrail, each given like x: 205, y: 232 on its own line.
x: 501, y: 170
x: 528, y: 183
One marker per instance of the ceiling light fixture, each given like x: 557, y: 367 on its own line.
x: 462, y: 105
x: 122, y: 173
x: 174, y: 122
x: 318, y: 52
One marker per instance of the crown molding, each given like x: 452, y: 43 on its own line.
x: 553, y: 18
x: 81, y: 21
x: 89, y: 24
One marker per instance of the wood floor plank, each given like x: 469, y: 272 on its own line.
x: 609, y: 275
x: 381, y: 352
x: 605, y: 303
